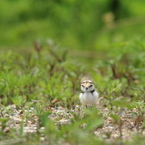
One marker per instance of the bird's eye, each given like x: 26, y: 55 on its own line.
x: 83, y: 86
x: 90, y: 86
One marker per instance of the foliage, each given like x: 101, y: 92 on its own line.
x: 75, y: 24
x: 36, y: 83
x: 46, y: 77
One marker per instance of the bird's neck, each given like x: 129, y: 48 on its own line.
x: 89, y: 91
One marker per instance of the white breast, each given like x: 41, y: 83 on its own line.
x: 88, y: 98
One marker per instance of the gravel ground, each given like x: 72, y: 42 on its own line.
x: 127, y: 128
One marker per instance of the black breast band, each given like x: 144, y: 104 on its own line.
x: 90, y: 92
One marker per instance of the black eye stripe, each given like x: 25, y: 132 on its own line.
x: 90, y: 86
x: 83, y: 86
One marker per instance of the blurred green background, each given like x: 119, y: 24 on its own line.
x: 52, y: 44
x: 93, y: 24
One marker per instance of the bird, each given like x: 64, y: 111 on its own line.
x: 89, y: 96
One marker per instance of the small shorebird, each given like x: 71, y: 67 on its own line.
x: 88, y: 96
